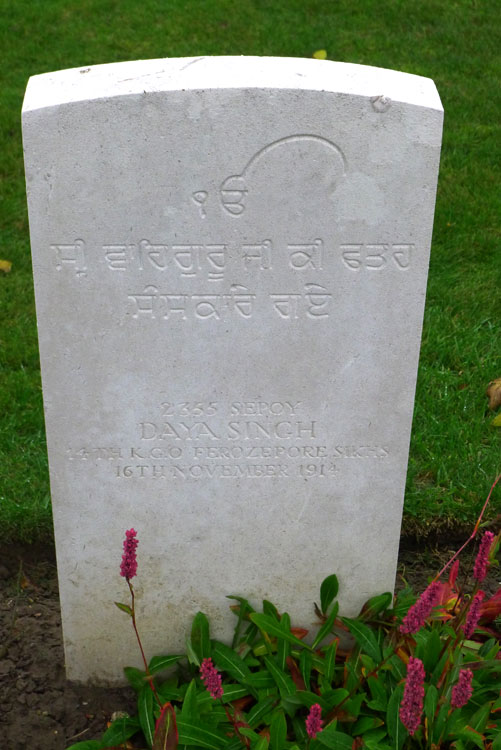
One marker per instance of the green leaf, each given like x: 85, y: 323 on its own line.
x: 365, y: 638
x: 303, y: 698
x: 261, y: 744
x: 232, y: 692
x: 496, y: 745
x: 270, y: 610
x: 430, y: 703
x: 260, y: 710
x: 351, y: 676
x: 335, y: 740
x: 397, y: 667
x: 200, y: 735
x: 489, y: 649
x: 372, y: 740
x: 284, y: 683
x: 189, y: 710
x: 328, y: 592
x: 374, y: 736
x: 367, y: 724
x: 379, y: 700
x: 243, y: 610
x: 250, y: 634
x: 330, y: 661
x: 260, y: 680
x: 333, y: 698
x: 250, y: 733
x: 87, y: 745
x: 471, y: 735
x: 158, y: 663
x: 166, y: 735
x: 493, y: 665
x: 353, y: 706
x: 429, y: 648
x: 135, y: 677
x: 278, y: 731
x: 120, y: 731
x: 263, y: 647
x: 200, y: 636
x: 326, y: 627
x: 440, y: 722
x: 375, y: 605
x: 439, y: 667
x: 298, y: 725
x: 395, y: 728
x: 404, y: 600
x: 305, y: 663
x: 479, y: 719
x: 169, y: 691
x: 227, y: 660
x: 366, y: 661
x: 270, y: 626
x: 283, y: 645
x: 124, y: 607
x: 244, y: 604
x: 145, y: 708
x: 191, y: 653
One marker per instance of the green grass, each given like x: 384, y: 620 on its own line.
x: 455, y: 452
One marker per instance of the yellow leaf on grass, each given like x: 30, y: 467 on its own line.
x: 496, y: 422
x: 5, y: 266
x: 494, y: 393
x: 320, y: 54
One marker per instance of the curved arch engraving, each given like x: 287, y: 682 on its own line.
x: 233, y: 190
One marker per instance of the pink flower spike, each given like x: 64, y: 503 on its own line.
x: 473, y: 614
x: 411, y: 707
x: 482, y: 562
x: 314, y: 721
x: 211, y: 678
x: 421, y: 610
x: 128, y: 566
x: 462, y: 690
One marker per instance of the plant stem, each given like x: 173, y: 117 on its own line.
x: 234, y: 722
x: 146, y: 669
x: 474, y: 532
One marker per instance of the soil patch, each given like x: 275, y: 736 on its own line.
x: 38, y: 707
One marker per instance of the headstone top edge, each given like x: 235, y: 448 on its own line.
x: 226, y: 72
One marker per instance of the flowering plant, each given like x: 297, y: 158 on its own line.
x: 405, y: 673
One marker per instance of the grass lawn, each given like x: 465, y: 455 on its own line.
x: 455, y: 451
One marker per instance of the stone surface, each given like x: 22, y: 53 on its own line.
x: 230, y: 261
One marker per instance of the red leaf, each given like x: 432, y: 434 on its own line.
x: 343, y: 715
x: 454, y: 573
x: 240, y: 704
x: 296, y: 675
x: 299, y: 632
x: 446, y: 593
x: 166, y: 735
x: 491, y: 608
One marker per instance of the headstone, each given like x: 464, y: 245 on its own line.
x: 230, y: 260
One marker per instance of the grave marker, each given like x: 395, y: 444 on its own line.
x: 230, y: 261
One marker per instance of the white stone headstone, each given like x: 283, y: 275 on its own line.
x: 230, y: 260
